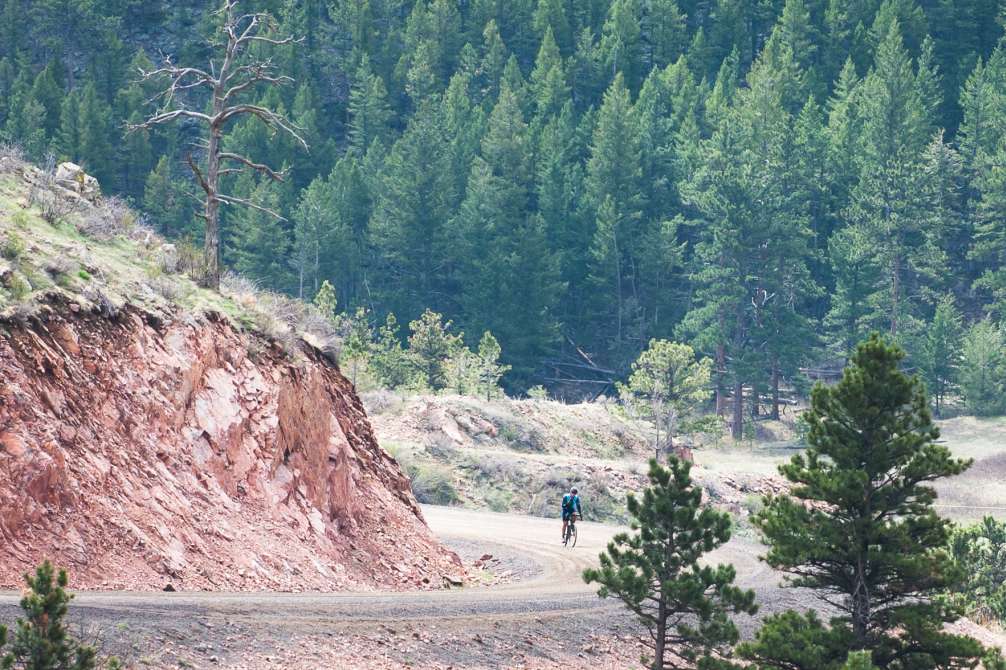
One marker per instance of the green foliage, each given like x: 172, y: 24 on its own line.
x: 13, y: 246
x: 859, y: 527
x: 41, y: 640
x: 389, y: 362
x: 983, y: 368
x: 489, y: 369
x: 18, y: 286
x: 326, y: 301
x: 980, y: 552
x: 432, y: 484
x: 590, y: 176
x: 667, y: 384
x: 686, y: 607
x: 431, y: 347
x: 940, y: 351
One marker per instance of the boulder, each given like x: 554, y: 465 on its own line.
x: 73, y: 178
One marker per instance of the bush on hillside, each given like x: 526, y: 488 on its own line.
x: 980, y: 550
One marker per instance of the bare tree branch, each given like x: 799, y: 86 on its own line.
x: 259, y: 167
x: 233, y: 72
x: 233, y: 200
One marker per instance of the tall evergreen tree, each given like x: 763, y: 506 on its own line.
x: 859, y: 527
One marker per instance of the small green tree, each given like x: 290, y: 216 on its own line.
x: 667, y: 384
x: 431, y: 346
x: 983, y: 368
x: 326, y: 302
x: 41, y: 641
x: 463, y: 371
x: 655, y: 571
x: 389, y: 362
x: 358, y: 342
x: 940, y: 351
x: 860, y: 529
x: 490, y: 371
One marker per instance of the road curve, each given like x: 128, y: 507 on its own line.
x: 556, y: 586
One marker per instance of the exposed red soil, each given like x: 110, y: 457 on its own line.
x: 139, y: 451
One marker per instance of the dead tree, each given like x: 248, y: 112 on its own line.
x: 234, y: 73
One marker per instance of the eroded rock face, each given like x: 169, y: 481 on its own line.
x: 138, y: 456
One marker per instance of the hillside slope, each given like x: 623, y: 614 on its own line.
x: 145, y: 442
x: 520, y: 456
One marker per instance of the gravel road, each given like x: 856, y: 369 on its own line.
x: 545, y: 619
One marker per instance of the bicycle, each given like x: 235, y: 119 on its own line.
x: 569, y: 541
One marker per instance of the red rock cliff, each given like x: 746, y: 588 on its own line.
x: 139, y: 452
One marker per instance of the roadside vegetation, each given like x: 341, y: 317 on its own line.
x: 41, y: 639
x: 858, y: 529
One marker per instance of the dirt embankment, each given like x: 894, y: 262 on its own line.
x: 139, y: 451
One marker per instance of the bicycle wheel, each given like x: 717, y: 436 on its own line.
x: 571, y: 542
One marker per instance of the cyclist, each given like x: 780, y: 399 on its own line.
x: 570, y: 506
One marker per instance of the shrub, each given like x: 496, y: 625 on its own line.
x: 41, y: 638
x: 20, y: 219
x: 432, y: 484
x: 18, y: 287
x: 13, y: 246
x: 980, y: 550
x: 538, y: 392
x: 111, y: 218
x: 85, y: 275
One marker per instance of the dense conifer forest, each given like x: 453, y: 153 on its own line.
x: 766, y: 180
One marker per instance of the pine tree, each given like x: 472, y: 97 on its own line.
x: 165, y: 202
x: 489, y: 368
x: 667, y: 384
x: 259, y: 243
x: 368, y: 109
x: 412, y: 204
x: 95, y: 134
x: 550, y: 17
x: 857, y: 275
x: 25, y: 116
x: 47, y: 92
x: 859, y: 527
x: 887, y: 201
x: 663, y: 33
x: 655, y: 572
x: 990, y: 229
x: 67, y: 140
x: 621, y: 45
x: 431, y: 346
x: 326, y: 301
x: 940, y: 351
x: 389, y: 362
x: 42, y: 639
x: 548, y: 79
x: 614, y: 196
x: 983, y: 368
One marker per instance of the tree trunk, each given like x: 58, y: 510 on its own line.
x: 211, y: 248
x: 775, y: 390
x: 895, y: 294
x: 661, y: 636
x: 738, y: 420
x: 721, y: 401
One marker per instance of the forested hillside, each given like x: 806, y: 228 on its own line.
x: 767, y: 180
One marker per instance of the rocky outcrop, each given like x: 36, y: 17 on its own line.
x: 139, y: 452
